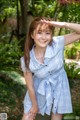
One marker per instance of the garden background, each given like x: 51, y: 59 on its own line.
x: 15, y: 18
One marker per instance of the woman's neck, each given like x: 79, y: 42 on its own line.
x: 39, y: 52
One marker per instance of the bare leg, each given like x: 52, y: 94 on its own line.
x: 56, y: 117
x: 27, y: 116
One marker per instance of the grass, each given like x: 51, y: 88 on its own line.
x: 12, y: 91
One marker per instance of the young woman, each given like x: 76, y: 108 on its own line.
x: 43, y: 68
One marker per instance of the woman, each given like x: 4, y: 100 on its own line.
x: 43, y: 67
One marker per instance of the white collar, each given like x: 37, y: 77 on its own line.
x: 49, y: 53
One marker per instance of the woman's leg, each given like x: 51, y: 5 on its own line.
x: 27, y: 116
x: 56, y: 117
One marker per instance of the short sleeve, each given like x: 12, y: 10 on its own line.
x: 59, y: 41
x: 23, y: 66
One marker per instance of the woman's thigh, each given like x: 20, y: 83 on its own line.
x: 56, y: 117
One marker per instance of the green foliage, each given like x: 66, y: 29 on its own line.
x: 11, y: 96
x: 77, y: 45
x: 10, y: 56
x: 72, y: 72
x: 70, y: 12
x: 77, y: 110
x: 66, y: 12
x: 7, y: 9
x: 71, y: 52
x: 7, y: 12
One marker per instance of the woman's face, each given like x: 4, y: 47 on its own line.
x: 42, y: 35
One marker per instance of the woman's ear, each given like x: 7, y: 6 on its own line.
x: 32, y: 36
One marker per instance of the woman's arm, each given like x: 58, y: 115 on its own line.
x: 69, y: 38
x: 30, y: 87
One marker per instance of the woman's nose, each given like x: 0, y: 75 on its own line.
x: 43, y: 36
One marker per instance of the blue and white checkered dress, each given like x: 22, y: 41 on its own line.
x: 50, y: 80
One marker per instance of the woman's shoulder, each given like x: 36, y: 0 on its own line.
x: 58, y: 41
x: 58, y: 38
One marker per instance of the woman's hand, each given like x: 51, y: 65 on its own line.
x: 54, y: 23
x: 32, y: 95
x: 33, y: 111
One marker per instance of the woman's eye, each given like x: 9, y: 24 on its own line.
x: 47, y: 32
x: 39, y: 32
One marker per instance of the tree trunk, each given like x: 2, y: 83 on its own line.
x: 24, y: 10
x: 22, y: 23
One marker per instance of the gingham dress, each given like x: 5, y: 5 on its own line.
x: 50, y: 80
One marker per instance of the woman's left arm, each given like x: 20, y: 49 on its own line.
x: 69, y: 38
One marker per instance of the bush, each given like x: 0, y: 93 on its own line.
x: 72, y: 72
x: 71, y: 53
x: 10, y: 56
x: 11, y: 97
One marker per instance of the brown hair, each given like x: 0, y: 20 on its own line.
x: 29, y: 41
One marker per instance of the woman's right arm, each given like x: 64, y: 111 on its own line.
x: 30, y: 87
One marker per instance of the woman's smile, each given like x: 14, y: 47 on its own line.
x: 42, y: 37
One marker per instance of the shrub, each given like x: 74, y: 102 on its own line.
x: 72, y: 72
x: 71, y: 53
x: 10, y: 56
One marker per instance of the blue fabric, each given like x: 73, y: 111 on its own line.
x: 50, y: 80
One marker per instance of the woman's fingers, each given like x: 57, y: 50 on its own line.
x: 32, y: 115
x: 45, y: 21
